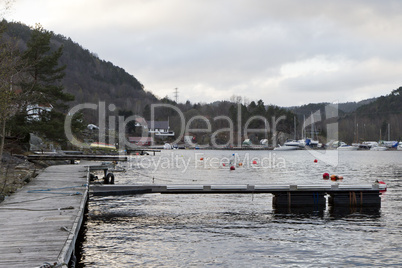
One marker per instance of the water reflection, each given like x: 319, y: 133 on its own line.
x: 299, y: 212
x: 330, y: 213
x: 356, y: 212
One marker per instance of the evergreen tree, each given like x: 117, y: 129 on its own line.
x: 42, y: 84
x: 42, y: 97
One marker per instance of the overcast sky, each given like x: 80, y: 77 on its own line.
x: 283, y: 52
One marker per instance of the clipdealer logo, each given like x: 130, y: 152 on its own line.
x: 118, y: 124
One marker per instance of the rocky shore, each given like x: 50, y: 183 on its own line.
x: 15, y: 172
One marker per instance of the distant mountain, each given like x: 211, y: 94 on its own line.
x: 91, y: 79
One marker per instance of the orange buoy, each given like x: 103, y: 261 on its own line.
x: 334, y: 178
x: 240, y: 164
x: 202, y: 158
x: 232, y: 168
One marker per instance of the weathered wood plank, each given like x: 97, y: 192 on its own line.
x: 39, y: 221
x: 77, y: 157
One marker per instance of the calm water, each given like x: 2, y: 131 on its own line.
x: 244, y: 230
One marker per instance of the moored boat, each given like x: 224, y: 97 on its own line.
x: 346, y: 147
x: 285, y: 148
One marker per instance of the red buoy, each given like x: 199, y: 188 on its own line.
x: 315, y: 160
x: 381, y: 182
x: 232, y: 168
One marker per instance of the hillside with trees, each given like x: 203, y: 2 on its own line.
x: 378, y: 120
x: 89, y: 78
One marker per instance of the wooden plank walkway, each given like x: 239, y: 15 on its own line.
x: 40, y: 222
x: 72, y: 157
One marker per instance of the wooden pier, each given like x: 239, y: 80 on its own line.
x: 40, y: 223
x: 74, y: 157
x: 284, y: 195
x: 142, y: 151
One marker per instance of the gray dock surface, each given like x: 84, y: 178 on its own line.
x: 40, y: 222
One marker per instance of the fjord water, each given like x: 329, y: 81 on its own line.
x: 234, y: 230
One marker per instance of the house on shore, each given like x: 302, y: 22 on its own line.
x: 160, y: 129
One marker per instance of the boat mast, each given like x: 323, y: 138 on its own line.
x: 389, y: 132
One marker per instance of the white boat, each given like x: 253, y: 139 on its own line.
x: 295, y: 143
x: 370, y: 144
x: 312, y: 143
x: 346, y: 147
x: 335, y: 144
x: 167, y: 146
x: 399, y: 148
x: 390, y: 144
x: 285, y: 148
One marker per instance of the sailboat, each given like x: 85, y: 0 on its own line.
x: 310, y: 141
x: 385, y: 145
x: 291, y: 144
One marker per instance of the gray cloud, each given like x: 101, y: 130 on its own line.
x: 284, y: 52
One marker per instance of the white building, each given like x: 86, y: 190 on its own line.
x: 160, y: 128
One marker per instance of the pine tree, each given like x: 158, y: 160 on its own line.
x: 43, y: 81
x: 42, y: 98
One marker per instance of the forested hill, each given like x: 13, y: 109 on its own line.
x: 91, y: 79
x: 389, y: 104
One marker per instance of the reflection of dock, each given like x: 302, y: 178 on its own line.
x: 284, y: 195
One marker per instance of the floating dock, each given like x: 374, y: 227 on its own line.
x: 284, y: 195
